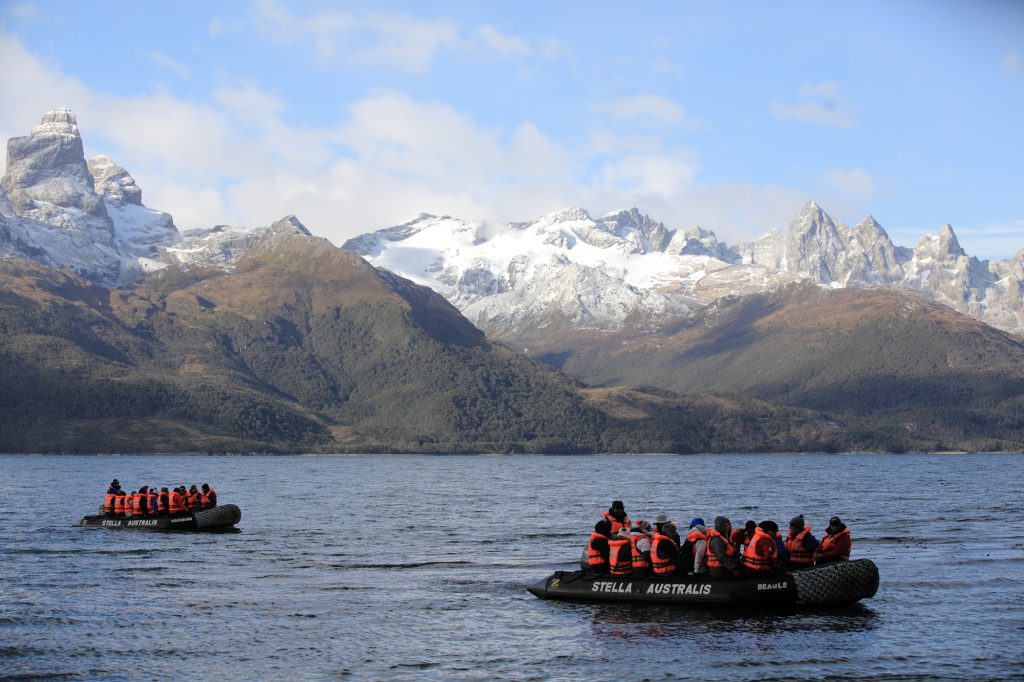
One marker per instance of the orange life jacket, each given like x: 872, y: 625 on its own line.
x: 193, y: 501
x: 712, y: 558
x: 616, y: 524
x: 640, y: 562
x: 205, y: 502
x: 753, y: 559
x: 151, y: 504
x: 137, y: 503
x: 829, y: 541
x: 594, y: 557
x: 119, y: 505
x: 177, y: 502
x: 161, y: 501
x: 661, y: 566
x: 108, y: 503
x: 795, y: 547
x: 620, y: 558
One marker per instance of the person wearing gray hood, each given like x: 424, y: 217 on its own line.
x: 721, y: 554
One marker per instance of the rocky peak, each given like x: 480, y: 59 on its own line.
x: 948, y: 243
x: 816, y: 244
x: 633, y: 226
x: 567, y: 215
x: 290, y: 225
x: 48, y: 167
x: 113, y: 182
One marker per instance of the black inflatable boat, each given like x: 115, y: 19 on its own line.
x: 220, y: 518
x: 844, y: 582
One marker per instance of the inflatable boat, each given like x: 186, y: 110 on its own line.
x: 219, y: 518
x: 843, y: 582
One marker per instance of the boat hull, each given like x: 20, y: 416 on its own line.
x: 220, y: 518
x: 833, y: 584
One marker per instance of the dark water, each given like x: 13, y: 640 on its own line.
x: 415, y: 567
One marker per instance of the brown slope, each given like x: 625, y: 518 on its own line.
x: 886, y: 358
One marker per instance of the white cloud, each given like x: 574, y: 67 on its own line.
x: 1011, y: 61
x: 171, y: 64
x: 854, y: 181
x: 650, y: 107
x: 501, y: 43
x: 25, y: 11
x: 236, y: 159
x: 666, y: 65
x: 819, y: 104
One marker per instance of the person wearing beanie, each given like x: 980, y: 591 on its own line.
x: 665, y: 550
x: 800, y: 544
x: 762, y: 552
x: 616, y: 516
x: 741, y: 537
x: 836, y: 544
x: 597, y: 547
x: 692, y: 553
x: 721, y: 556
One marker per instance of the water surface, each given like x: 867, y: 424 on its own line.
x: 415, y: 567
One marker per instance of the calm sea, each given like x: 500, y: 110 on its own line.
x: 415, y: 568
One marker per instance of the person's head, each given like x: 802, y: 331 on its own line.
x: 623, y: 534
x: 696, y: 521
x: 669, y: 529
x: 193, y: 489
x: 134, y: 492
x: 749, y: 526
x: 206, y: 487
x: 164, y: 490
x: 769, y: 527
x: 723, y: 526
x: 604, y: 527
x: 797, y: 523
x: 835, y: 525
x: 617, y: 507
x: 642, y: 526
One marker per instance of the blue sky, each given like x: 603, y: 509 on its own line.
x: 356, y: 116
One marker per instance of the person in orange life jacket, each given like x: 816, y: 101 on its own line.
x: 721, y: 556
x: 597, y: 547
x: 741, y: 537
x: 162, y: 502
x: 665, y: 550
x: 693, y: 550
x: 800, y: 544
x: 836, y: 544
x: 176, y: 502
x: 118, y: 503
x: 150, y: 500
x: 616, y: 516
x: 140, y: 505
x: 620, y: 553
x: 108, y: 499
x: 194, y: 499
x: 762, y: 552
x: 209, y: 498
x: 640, y: 537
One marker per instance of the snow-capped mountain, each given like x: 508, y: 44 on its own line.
x: 57, y: 209
x: 567, y: 270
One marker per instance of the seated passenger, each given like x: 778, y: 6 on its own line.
x: 616, y: 516
x: 800, y: 544
x: 176, y: 502
x: 597, y: 547
x: 836, y: 544
x: 762, y: 553
x: 640, y: 537
x: 721, y: 556
x: 194, y: 499
x: 119, y: 504
x: 665, y: 551
x: 209, y: 498
x: 139, y: 499
x: 108, y: 499
x: 741, y: 537
x: 620, y: 554
x: 694, y: 548
x: 163, y: 502
x: 151, y: 501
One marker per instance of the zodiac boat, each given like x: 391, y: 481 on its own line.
x: 220, y: 518
x: 843, y: 582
